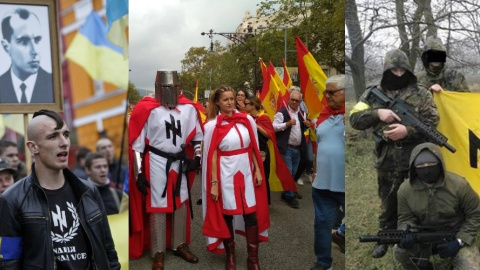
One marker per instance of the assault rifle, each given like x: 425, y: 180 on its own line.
x: 421, y: 234
x: 405, y: 112
x: 426, y: 236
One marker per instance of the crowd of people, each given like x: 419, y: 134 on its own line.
x: 169, y: 142
x: 51, y: 218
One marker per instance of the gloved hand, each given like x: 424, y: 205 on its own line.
x: 142, y: 183
x: 407, y: 242
x: 448, y: 249
x: 193, y: 164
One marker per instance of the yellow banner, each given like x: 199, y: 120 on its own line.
x: 119, y: 228
x: 460, y: 123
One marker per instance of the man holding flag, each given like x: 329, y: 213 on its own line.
x: 289, y: 124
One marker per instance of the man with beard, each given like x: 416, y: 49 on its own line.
x: 394, y: 141
x: 437, y: 76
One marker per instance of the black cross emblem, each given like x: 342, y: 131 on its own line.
x: 172, y: 127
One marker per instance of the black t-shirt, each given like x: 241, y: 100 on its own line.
x: 70, y: 243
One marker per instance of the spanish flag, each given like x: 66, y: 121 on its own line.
x: 460, y: 123
x: 280, y: 178
x: 270, y: 91
x: 199, y: 105
x: 287, y: 80
x: 101, y: 59
x: 195, y: 96
x: 312, y: 80
x: 281, y: 101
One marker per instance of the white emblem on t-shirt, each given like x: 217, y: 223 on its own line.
x: 60, y: 220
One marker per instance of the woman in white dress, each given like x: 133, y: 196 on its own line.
x: 233, y: 182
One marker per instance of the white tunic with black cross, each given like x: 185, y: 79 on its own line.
x: 167, y: 129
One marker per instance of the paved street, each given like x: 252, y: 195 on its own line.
x: 290, y: 246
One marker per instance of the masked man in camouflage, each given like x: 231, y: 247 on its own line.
x: 437, y: 76
x: 394, y: 141
x: 437, y: 198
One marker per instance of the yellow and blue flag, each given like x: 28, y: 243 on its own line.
x: 117, y: 20
x: 101, y: 59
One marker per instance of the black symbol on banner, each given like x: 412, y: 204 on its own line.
x: 172, y: 127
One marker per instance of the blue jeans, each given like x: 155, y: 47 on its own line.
x: 292, y: 159
x: 341, y: 229
x: 326, y: 205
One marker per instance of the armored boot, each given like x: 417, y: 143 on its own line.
x: 252, y: 247
x: 158, y: 261
x: 229, y: 244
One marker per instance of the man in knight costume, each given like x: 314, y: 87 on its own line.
x: 164, y: 139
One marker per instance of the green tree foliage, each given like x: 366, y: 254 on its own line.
x: 320, y: 24
x: 231, y: 66
x: 133, y: 95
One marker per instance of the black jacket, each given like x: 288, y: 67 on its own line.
x: 283, y: 136
x: 24, y: 213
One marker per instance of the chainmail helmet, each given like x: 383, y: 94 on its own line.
x: 167, y: 88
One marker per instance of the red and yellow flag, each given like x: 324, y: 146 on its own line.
x: 287, y: 80
x: 280, y: 178
x: 199, y: 106
x: 195, y: 96
x: 283, y: 95
x: 270, y: 92
x: 312, y: 80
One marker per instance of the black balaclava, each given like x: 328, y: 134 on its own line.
x: 430, y: 174
x: 391, y: 81
x: 434, y: 56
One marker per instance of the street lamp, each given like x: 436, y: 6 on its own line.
x: 233, y: 37
x: 284, y: 38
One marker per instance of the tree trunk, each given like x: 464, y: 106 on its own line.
x: 357, y: 60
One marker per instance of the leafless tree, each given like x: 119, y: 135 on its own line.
x: 405, y: 24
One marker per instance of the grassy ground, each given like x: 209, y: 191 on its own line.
x: 363, y: 204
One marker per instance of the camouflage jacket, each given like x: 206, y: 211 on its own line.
x: 390, y: 155
x: 451, y: 202
x: 448, y: 79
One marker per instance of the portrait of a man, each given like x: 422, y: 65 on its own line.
x: 25, y: 81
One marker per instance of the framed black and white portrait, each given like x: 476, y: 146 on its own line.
x: 30, y: 73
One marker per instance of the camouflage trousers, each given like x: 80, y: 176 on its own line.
x: 388, y: 184
x: 467, y: 258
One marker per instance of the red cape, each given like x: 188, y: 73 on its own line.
x: 214, y: 225
x: 139, y: 240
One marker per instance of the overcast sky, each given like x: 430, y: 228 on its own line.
x: 161, y: 32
